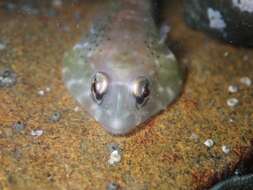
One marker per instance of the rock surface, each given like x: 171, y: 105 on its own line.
x: 231, y: 20
x: 72, y: 153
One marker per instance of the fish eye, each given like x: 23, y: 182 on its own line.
x: 141, y: 91
x: 99, y: 86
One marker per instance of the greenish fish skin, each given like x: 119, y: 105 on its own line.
x: 124, y: 44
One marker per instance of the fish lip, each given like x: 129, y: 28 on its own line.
x: 118, y: 132
x: 121, y: 129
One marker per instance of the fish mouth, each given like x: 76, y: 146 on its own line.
x: 120, y: 125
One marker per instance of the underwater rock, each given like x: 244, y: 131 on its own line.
x: 29, y: 9
x: 230, y: 20
x: 112, y: 186
x: 236, y: 183
x: 8, y: 77
x: 9, y: 6
x: 55, y: 117
x: 2, y: 46
x: 18, y: 126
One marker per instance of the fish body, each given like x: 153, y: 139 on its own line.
x: 121, y: 72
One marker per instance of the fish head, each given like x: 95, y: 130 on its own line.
x: 122, y: 90
x: 126, y: 93
x: 121, y: 105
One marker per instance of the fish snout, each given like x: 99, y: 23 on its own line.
x: 120, y: 124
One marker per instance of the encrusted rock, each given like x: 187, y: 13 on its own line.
x: 223, y: 19
x: 7, y: 77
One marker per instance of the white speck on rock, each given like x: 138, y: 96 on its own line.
x: 233, y: 88
x: 226, y: 54
x: 29, y: 9
x: 2, y: 46
x: 245, y: 58
x: 225, y: 149
x: 81, y: 45
x: 231, y: 120
x: 194, y: 137
x: 209, y: 143
x: 244, y: 5
x: 216, y: 20
x: 57, y: 3
x: 115, y: 157
x: 246, y: 81
x: 232, y: 102
x: 48, y: 89
x: 41, y: 92
x: 77, y: 109
x: 37, y: 133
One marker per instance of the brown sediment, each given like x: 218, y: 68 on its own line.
x: 72, y: 153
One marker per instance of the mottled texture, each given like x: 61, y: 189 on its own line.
x: 123, y: 46
x: 231, y: 20
x: 236, y: 183
x: 167, y: 153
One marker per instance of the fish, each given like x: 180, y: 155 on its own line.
x: 121, y: 72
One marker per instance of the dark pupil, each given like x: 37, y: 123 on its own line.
x: 145, y: 93
x: 98, y: 96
